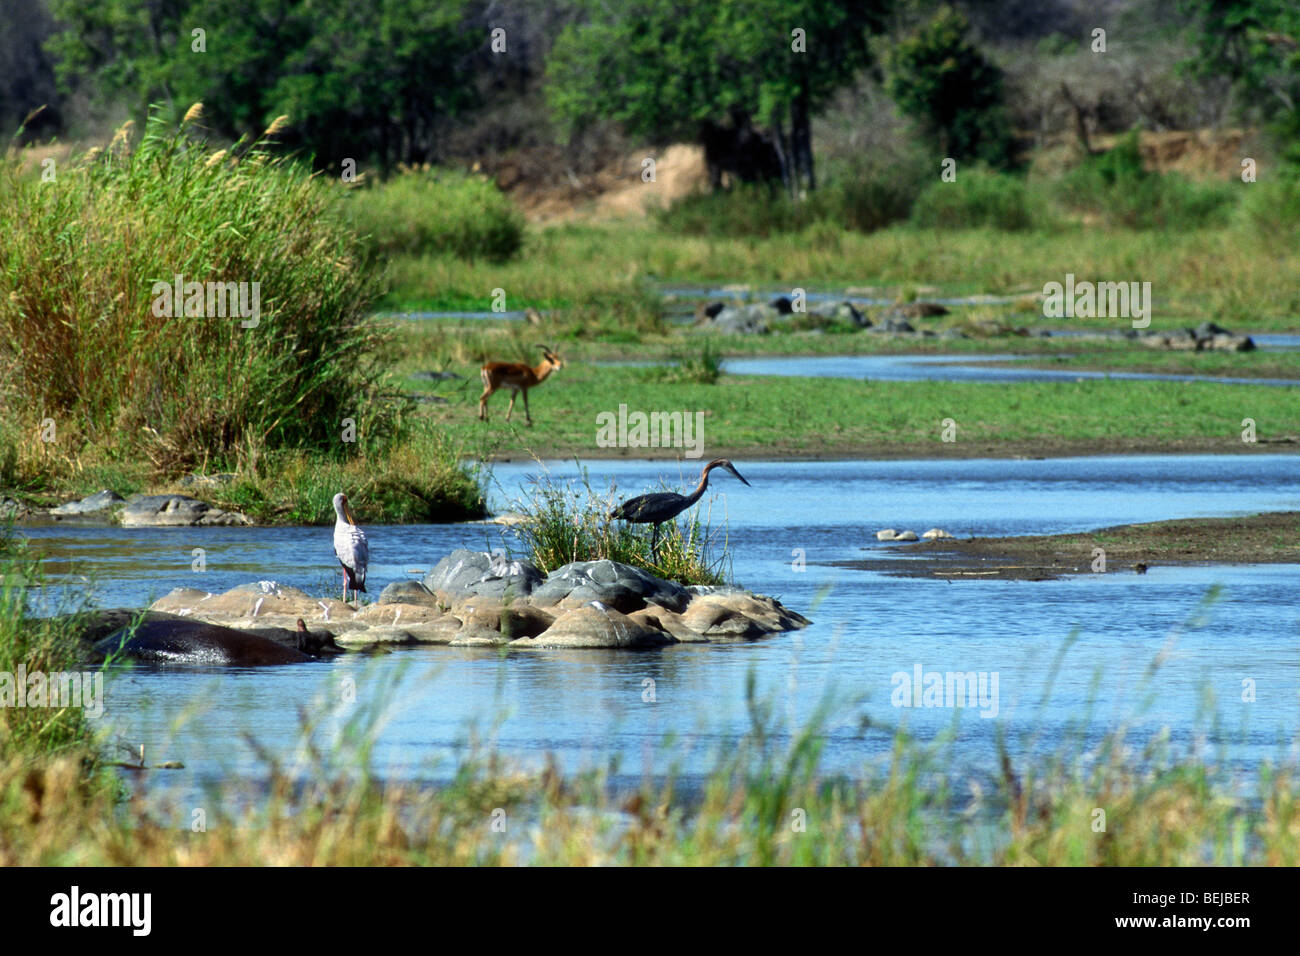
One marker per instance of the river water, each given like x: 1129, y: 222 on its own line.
x: 785, y: 534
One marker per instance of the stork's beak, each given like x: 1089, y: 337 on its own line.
x: 347, y: 513
x: 732, y: 469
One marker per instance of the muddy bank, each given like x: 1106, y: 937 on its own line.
x: 1272, y: 538
x: 838, y: 450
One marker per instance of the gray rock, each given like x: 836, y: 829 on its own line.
x: 906, y: 536
x: 914, y: 310
x: 407, y: 592
x: 596, y: 626
x: 845, y: 313
x: 13, y: 509
x: 175, y: 511
x: 893, y: 325
x: 614, y: 585
x: 463, y: 573
x: 99, y: 501
x: 1227, y: 342
x: 745, y: 319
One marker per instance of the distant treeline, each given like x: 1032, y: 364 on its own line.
x: 408, y: 81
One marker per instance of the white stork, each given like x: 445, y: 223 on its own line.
x: 350, y: 547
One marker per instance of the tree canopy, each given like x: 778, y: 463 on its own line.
x: 1255, y: 44
x: 939, y: 78
x: 743, y: 77
x: 363, y: 80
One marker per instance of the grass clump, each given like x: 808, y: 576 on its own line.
x: 563, y: 524
x: 38, y: 645
x: 420, y: 481
x: 82, y: 275
x: 702, y: 366
x: 436, y: 212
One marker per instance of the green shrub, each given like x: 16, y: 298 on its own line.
x: 865, y: 197
x: 859, y: 197
x: 1115, y: 187
x: 744, y: 210
x: 436, y: 212
x: 982, y: 199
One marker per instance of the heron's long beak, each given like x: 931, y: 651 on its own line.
x: 732, y: 469
x: 347, y: 513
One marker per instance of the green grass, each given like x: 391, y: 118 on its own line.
x: 766, y: 416
x: 1240, y: 277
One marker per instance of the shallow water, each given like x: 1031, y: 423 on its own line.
x: 587, y: 707
x: 956, y: 368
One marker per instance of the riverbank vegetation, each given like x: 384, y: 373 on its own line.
x: 172, y: 308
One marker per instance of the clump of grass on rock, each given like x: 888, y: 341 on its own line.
x: 564, y: 523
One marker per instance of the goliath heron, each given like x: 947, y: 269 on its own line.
x: 660, y: 506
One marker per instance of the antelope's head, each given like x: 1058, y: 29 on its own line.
x: 550, y: 358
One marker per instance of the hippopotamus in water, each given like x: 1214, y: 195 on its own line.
x: 168, y: 639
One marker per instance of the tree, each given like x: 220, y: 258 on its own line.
x: 26, y: 71
x: 1255, y: 44
x: 363, y: 80
x: 939, y: 78
x: 741, y: 77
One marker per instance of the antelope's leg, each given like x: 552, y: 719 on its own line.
x: 513, y: 395
x: 528, y: 416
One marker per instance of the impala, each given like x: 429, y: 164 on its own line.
x: 518, y: 377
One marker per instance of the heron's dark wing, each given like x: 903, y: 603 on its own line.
x: 656, y: 506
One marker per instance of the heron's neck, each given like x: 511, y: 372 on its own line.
x: 694, y: 496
